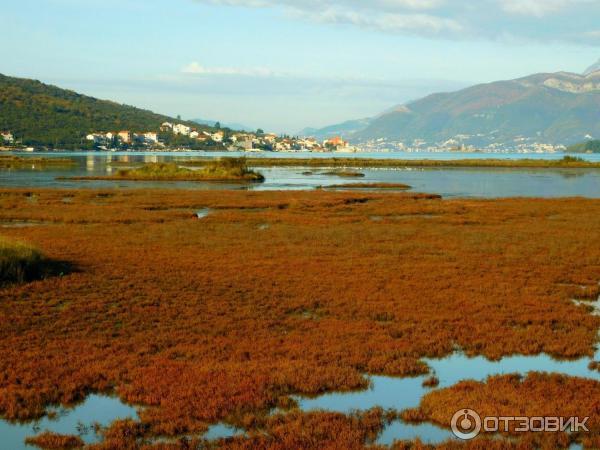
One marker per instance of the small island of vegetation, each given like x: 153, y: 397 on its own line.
x: 49, y: 440
x: 592, y: 146
x: 344, y: 174
x: 19, y: 262
x: 376, y: 186
x: 219, y: 170
x: 17, y: 162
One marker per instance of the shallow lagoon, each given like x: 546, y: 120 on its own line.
x: 449, y: 182
x: 405, y: 393
x: 386, y: 392
x: 78, y: 421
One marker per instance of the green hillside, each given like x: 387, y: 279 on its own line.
x: 585, y: 147
x: 42, y: 115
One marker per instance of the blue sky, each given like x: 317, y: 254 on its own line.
x: 287, y: 64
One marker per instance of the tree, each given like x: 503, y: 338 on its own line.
x: 218, y: 125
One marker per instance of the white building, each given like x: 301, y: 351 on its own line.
x: 166, y: 126
x: 182, y: 129
x: 151, y: 137
x: 7, y: 136
x: 217, y: 137
x: 194, y: 135
x: 126, y: 136
x: 282, y: 147
x: 244, y: 144
x: 96, y: 138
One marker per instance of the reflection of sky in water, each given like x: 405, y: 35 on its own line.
x: 385, y: 392
x: 96, y: 409
x: 453, y: 182
x: 426, y: 432
x: 221, y: 431
x: 404, y: 393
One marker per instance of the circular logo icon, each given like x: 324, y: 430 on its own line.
x: 466, y: 424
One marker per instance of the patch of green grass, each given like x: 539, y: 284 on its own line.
x: 397, y: 186
x: 224, y: 169
x: 231, y: 168
x: 19, y: 262
x: 345, y: 174
x: 573, y: 159
x: 17, y: 162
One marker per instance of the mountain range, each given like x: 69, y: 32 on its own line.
x: 551, y: 108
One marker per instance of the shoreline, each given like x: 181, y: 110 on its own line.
x: 166, y: 178
x: 376, y: 163
x: 397, y: 163
x: 11, y: 162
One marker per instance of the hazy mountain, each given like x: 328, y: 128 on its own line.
x: 343, y: 129
x: 557, y: 108
x: 593, y: 68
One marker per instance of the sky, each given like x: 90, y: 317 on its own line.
x: 289, y: 64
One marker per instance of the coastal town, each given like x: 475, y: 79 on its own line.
x: 462, y: 143
x: 173, y: 136
x: 178, y: 136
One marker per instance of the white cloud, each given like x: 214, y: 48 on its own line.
x: 396, y: 16
x: 424, y: 24
x: 541, y: 20
x: 592, y: 34
x: 195, y: 68
x: 538, y: 8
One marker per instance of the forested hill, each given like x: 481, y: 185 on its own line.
x: 592, y: 146
x: 44, y: 115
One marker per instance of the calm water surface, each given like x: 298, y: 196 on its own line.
x: 78, y: 421
x: 404, y: 393
x: 449, y: 182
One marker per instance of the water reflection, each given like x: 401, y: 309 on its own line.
x: 426, y: 432
x: 221, y: 431
x: 201, y: 214
x: 449, y: 182
x: 78, y: 421
x: 404, y: 393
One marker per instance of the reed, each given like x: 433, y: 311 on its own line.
x: 19, y: 262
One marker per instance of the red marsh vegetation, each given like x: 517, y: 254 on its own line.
x: 53, y: 441
x: 222, y: 319
x: 537, y: 395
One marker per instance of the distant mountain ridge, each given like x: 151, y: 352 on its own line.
x: 345, y: 128
x: 553, y: 108
x: 39, y: 114
x: 593, y: 68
